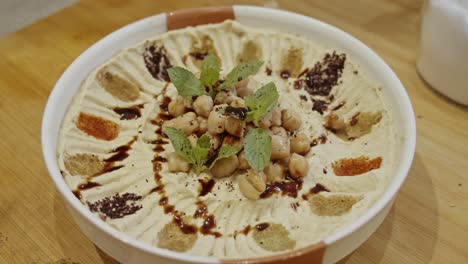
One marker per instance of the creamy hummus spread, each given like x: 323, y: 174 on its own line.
x: 113, y: 154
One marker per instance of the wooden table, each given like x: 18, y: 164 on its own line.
x: 429, y: 222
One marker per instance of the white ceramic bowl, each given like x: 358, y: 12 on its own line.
x: 129, y: 250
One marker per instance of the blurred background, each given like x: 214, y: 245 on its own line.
x: 15, y: 14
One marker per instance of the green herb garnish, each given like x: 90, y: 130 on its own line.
x: 240, y: 72
x: 210, y: 72
x: 225, y: 151
x: 186, y: 83
x: 257, y: 147
x: 197, y: 155
x: 180, y: 143
x: 262, y: 102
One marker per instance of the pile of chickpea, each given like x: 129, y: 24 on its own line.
x: 203, y: 115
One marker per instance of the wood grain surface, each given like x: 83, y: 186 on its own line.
x: 428, y: 224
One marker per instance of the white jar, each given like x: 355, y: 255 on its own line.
x: 443, y: 55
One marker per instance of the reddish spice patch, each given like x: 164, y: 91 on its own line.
x: 355, y: 166
x: 97, y: 127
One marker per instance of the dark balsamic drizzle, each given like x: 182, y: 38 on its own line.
x: 209, y: 221
x: 77, y: 194
x: 198, y: 55
x: 341, y: 104
x: 322, y: 139
x: 88, y: 185
x: 206, y: 186
x: 237, y: 112
x: 320, y: 105
x: 262, y: 226
x: 288, y: 187
x: 354, y: 119
x: 318, y: 188
x: 128, y: 113
x: 285, y: 74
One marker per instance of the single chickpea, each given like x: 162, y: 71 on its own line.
x: 188, y: 103
x: 280, y: 147
x: 291, y: 121
x: 238, y: 102
x: 234, y: 126
x: 186, y: 122
x: 276, y: 117
x: 203, y: 105
x: 224, y: 97
x: 243, y: 163
x: 298, y: 166
x: 279, y: 131
x: 193, y: 139
x: 202, y: 124
x: 244, y: 88
x: 252, y: 184
x: 300, y: 143
x: 216, y: 122
x: 176, y: 163
x: 176, y: 107
x: 215, y: 143
x: 265, y: 121
x: 274, y: 172
x: 225, y: 167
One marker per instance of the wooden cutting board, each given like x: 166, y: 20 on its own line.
x: 429, y: 222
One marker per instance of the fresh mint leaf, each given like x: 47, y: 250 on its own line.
x: 186, y: 83
x: 240, y: 72
x: 210, y: 70
x: 262, y: 102
x: 200, y: 156
x: 197, y: 156
x: 204, y: 141
x: 200, y: 153
x: 180, y: 143
x: 225, y: 151
x: 257, y: 148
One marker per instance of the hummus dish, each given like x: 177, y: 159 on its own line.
x: 228, y: 141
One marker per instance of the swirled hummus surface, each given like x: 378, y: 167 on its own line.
x: 113, y: 154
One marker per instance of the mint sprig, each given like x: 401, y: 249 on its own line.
x: 240, y: 72
x: 181, y: 143
x: 257, y: 148
x: 210, y: 71
x: 198, y: 154
x: 262, y: 102
x: 186, y: 83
